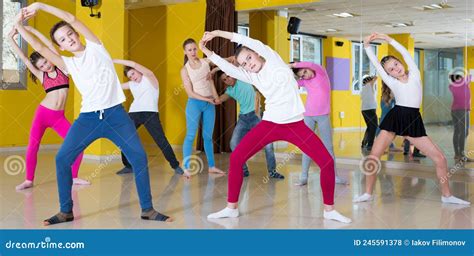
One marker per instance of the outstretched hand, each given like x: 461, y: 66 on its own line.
x: 368, y: 39
x: 203, y: 48
x: 31, y: 10
x: 13, y: 33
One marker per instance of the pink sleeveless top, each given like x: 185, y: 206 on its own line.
x: 198, y: 77
x: 50, y: 84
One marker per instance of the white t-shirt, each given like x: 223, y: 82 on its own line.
x: 275, y: 81
x: 145, y: 96
x: 94, y: 75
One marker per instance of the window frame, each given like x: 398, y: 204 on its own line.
x: 22, y: 84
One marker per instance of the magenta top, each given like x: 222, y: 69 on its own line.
x: 461, y: 94
x: 60, y: 81
x: 318, y: 102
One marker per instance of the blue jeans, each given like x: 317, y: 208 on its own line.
x: 325, y: 132
x: 245, y: 123
x: 194, y: 109
x: 113, y: 124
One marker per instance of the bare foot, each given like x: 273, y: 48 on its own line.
x: 216, y: 170
x: 169, y: 219
x: 186, y: 174
x: 26, y: 184
x: 78, y: 181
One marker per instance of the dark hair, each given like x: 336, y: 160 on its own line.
x: 126, y: 69
x: 455, y: 78
x: 387, y: 94
x: 34, y: 58
x: 219, y: 74
x: 296, y: 70
x: 186, y: 42
x: 367, y: 79
x: 239, y: 49
x: 58, y: 26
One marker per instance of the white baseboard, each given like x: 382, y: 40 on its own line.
x: 18, y: 149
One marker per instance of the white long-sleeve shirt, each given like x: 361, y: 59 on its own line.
x: 275, y: 81
x: 407, y: 94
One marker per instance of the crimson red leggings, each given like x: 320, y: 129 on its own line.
x: 296, y: 133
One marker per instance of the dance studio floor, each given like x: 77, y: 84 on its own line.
x: 404, y: 199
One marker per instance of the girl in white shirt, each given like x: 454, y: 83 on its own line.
x: 282, y: 119
x: 404, y: 119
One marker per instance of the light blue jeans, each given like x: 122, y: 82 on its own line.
x: 194, y: 109
x: 325, y: 133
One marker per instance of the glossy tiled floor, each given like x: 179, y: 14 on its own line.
x: 404, y: 199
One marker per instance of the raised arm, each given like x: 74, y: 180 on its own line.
x: 38, y: 46
x: 260, y: 48
x: 224, y: 65
x: 36, y: 72
x: 373, y: 59
x: 311, y: 65
x: 188, y: 87
x: 142, y: 69
x: 42, y: 38
x: 32, y: 9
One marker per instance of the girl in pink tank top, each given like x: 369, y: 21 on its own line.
x: 50, y: 112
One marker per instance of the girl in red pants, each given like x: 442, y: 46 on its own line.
x: 282, y: 119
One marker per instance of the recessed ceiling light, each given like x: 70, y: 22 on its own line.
x: 332, y: 30
x: 399, y: 24
x: 432, y: 7
x: 345, y: 15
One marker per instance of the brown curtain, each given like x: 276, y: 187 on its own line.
x: 220, y: 14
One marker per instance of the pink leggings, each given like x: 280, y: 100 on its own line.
x: 296, y: 133
x: 46, y: 118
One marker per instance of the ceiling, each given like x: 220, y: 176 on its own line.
x: 445, y: 28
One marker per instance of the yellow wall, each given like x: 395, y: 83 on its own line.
x: 17, y: 108
x: 190, y: 24
x: 342, y: 101
x: 146, y: 45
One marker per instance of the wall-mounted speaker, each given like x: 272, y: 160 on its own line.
x: 339, y: 43
x: 293, y: 25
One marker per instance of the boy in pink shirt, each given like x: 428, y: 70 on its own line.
x: 318, y: 104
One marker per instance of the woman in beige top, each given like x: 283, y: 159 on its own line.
x: 201, y: 93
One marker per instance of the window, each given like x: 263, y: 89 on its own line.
x: 12, y: 73
x: 360, y: 65
x: 243, y: 30
x: 417, y: 58
x: 306, y: 48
